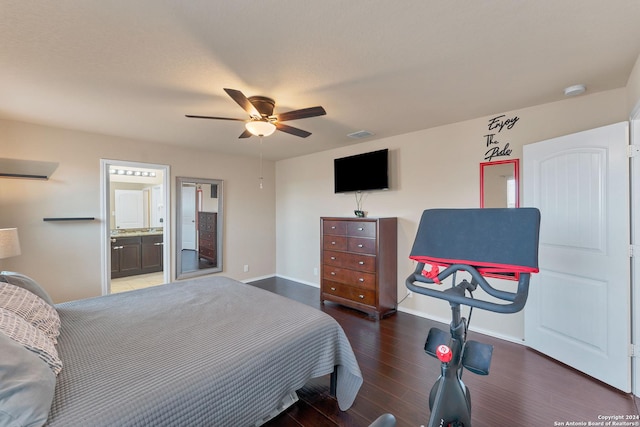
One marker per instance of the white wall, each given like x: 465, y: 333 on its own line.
x: 65, y: 257
x: 633, y: 90
x: 432, y: 168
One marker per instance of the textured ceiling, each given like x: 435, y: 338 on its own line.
x: 134, y: 68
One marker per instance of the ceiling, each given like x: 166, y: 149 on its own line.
x: 134, y: 68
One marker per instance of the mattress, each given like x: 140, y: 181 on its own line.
x: 209, y: 351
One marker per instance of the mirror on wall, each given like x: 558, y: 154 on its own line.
x: 136, y: 200
x: 199, y: 225
x: 499, y: 184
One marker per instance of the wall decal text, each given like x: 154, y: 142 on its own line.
x: 495, y: 147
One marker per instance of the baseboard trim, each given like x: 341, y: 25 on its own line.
x: 293, y: 279
x: 269, y: 276
x: 482, y: 331
x: 253, y: 279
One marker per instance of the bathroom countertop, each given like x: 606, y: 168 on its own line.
x: 135, y: 233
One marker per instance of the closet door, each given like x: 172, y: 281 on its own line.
x: 579, y: 305
x: 189, y: 217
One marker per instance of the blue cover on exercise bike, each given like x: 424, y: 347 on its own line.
x: 500, y: 242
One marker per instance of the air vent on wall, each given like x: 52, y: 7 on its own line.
x: 26, y: 169
x: 360, y: 134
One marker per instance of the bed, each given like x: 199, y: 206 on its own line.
x: 210, y: 351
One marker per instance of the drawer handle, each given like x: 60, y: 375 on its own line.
x: 360, y: 228
x: 117, y: 247
x: 333, y: 258
x: 333, y: 289
x: 361, y: 296
x: 333, y: 243
x: 333, y: 273
x: 333, y: 227
x: 361, y: 262
x: 158, y: 244
x: 360, y: 245
x: 361, y: 279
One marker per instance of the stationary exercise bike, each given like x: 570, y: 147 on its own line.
x: 499, y: 243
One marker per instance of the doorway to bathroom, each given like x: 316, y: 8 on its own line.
x: 136, y: 226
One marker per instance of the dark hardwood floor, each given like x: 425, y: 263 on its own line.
x: 192, y: 262
x: 524, y: 388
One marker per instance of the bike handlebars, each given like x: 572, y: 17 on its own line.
x: 517, y: 299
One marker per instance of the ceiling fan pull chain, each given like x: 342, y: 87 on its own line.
x: 261, y: 162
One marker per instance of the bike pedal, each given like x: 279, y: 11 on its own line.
x: 436, y: 338
x: 477, y: 357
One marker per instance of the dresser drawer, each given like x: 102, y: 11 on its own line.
x: 361, y: 229
x: 352, y: 261
x: 361, y: 245
x: 207, y: 252
x: 334, y: 227
x: 359, y: 279
x: 207, y: 221
x: 363, y: 296
x: 206, y: 235
x: 337, y: 243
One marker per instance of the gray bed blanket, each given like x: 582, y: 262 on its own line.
x: 204, y: 352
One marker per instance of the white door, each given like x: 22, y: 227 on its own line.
x: 635, y: 240
x: 129, y: 209
x: 189, y: 217
x: 579, y: 305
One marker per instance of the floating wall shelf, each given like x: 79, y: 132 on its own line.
x: 81, y: 218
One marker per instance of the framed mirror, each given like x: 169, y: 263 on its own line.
x: 499, y: 184
x: 199, y: 226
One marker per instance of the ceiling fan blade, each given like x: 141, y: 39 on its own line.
x: 211, y: 117
x: 301, y: 114
x: 243, y: 101
x: 246, y: 134
x: 293, y: 131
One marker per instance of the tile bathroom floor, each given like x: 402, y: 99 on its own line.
x: 140, y: 281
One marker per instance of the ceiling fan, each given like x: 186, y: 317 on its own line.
x: 262, y: 121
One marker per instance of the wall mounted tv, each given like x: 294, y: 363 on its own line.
x: 362, y: 172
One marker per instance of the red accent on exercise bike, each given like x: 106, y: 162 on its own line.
x: 444, y: 353
x: 432, y: 274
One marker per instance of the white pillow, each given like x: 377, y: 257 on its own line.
x: 21, y: 331
x: 31, y: 308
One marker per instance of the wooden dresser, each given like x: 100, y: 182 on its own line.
x: 207, y: 227
x: 359, y: 263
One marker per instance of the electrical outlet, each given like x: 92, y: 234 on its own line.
x: 246, y: 268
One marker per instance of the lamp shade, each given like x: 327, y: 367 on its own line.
x: 260, y: 128
x: 9, y: 243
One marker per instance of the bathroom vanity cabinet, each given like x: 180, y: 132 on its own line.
x: 131, y: 255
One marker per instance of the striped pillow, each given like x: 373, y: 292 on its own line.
x: 25, y: 282
x: 21, y: 331
x: 31, y: 308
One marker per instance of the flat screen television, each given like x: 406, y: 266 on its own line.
x: 362, y: 172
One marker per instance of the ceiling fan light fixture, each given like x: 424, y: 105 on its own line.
x: 260, y: 128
